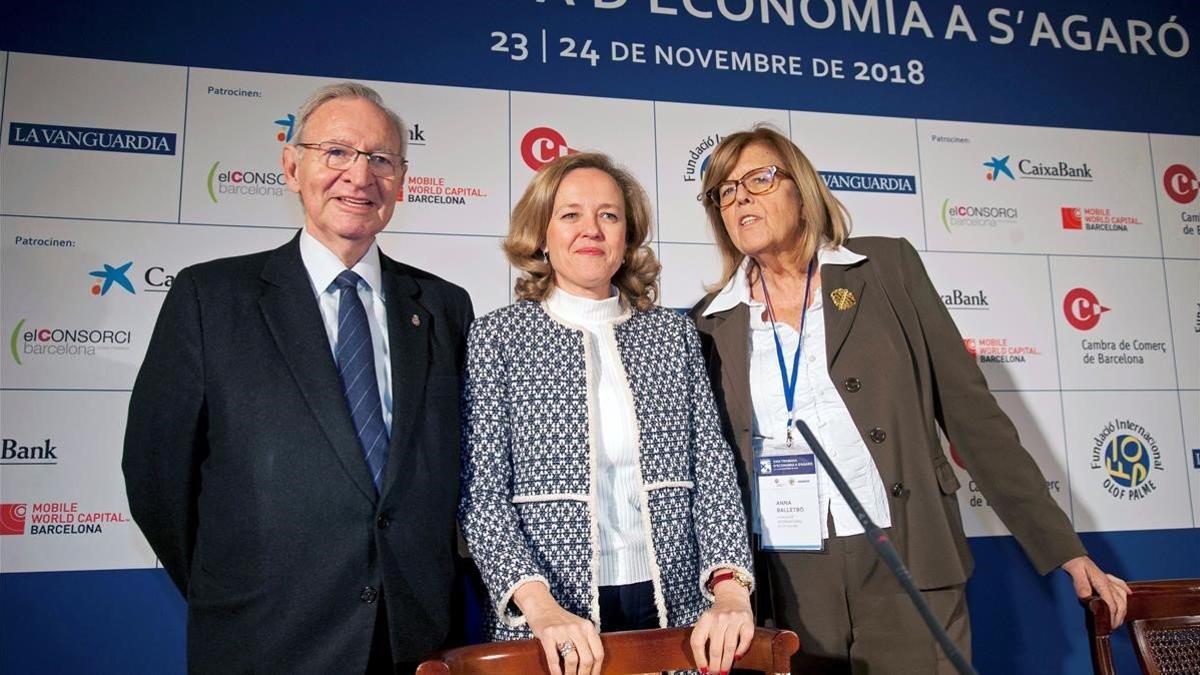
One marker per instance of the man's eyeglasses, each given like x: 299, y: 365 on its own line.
x: 758, y: 181
x: 340, y: 157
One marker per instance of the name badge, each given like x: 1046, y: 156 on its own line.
x: 789, y: 507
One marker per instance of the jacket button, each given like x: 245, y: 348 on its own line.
x: 898, y: 490
x: 852, y: 384
x: 878, y: 435
x: 382, y: 522
x: 368, y: 595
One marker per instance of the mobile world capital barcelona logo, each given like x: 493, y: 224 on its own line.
x: 111, y: 276
x: 542, y: 145
x: 1129, y: 458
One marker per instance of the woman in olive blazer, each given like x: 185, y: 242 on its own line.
x: 897, y: 362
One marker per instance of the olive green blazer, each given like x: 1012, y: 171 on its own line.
x: 899, y: 363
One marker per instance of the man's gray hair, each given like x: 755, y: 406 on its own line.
x: 348, y: 90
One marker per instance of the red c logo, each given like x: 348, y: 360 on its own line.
x: 1082, y: 309
x: 1180, y: 183
x: 542, y: 145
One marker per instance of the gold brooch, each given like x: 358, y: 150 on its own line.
x: 842, y: 298
x: 416, y: 320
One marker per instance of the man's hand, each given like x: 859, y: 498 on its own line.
x: 1091, y: 580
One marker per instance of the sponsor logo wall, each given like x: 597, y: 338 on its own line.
x: 1068, y: 258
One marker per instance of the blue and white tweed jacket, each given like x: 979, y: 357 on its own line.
x: 529, y: 501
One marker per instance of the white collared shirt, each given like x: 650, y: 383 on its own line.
x: 323, y: 267
x: 624, y: 556
x: 817, y: 401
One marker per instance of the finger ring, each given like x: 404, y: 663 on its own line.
x: 565, y: 648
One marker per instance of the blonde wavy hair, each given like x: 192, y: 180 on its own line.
x: 822, y: 216
x: 637, y: 278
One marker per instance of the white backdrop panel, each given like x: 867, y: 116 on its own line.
x: 473, y: 262
x: 687, y: 269
x: 685, y: 135
x: 1111, y: 322
x: 999, y: 303
x: 1058, y: 190
x: 1183, y: 293
x: 1038, y: 418
x: 547, y: 126
x: 1127, y: 470
x: 1177, y: 180
x: 65, y: 329
x: 88, y: 93
x: 1189, y: 401
x: 872, y: 145
x: 74, y: 509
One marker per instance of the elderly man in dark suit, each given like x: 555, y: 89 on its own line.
x: 293, y: 438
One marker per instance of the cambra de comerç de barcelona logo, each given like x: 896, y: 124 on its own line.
x: 1129, y: 457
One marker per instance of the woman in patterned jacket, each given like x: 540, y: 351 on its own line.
x: 598, y: 490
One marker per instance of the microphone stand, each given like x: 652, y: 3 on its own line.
x: 888, y: 552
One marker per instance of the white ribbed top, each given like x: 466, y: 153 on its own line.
x: 624, y: 556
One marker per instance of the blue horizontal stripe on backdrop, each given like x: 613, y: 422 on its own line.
x: 451, y: 43
x: 133, y: 621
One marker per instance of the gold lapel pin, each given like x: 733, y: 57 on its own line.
x: 842, y: 298
x: 416, y: 320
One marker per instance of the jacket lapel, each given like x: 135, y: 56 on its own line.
x: 731, y: 334
x: 292, y: 316
x: 409, y: 326
x: 837, y: 278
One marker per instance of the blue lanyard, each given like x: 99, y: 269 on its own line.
x: 789, y: 383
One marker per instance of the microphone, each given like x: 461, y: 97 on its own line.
x: 888, y: 552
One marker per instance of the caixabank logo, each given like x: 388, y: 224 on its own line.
x: 109, y: 277
x: 29, y: 342
x: 91, y: 138
x: 285, y: 126
x: 542, y: 145
x: 999, y: 170
x: 1127, y: 459
x: 1096, y: 219
x: 56, y: 518
x: 17, y: 452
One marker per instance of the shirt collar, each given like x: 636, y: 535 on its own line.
x: 585, y: 310
x: 323, y: 266
x: 737, y: 291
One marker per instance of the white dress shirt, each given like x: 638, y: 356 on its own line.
x: 323, y: 267
x: 817, y: 401
x: 624, y: 556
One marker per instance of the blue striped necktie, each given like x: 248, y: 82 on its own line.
x: 356, y: 366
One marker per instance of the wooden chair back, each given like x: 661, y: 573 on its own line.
x: 1164, y: 621
x: 625, y: 653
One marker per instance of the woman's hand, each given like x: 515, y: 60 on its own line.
x: 571, y: 643
x: 723, y: 633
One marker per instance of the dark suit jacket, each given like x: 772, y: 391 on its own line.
x: 244, y: 472
x: 899, y: 363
